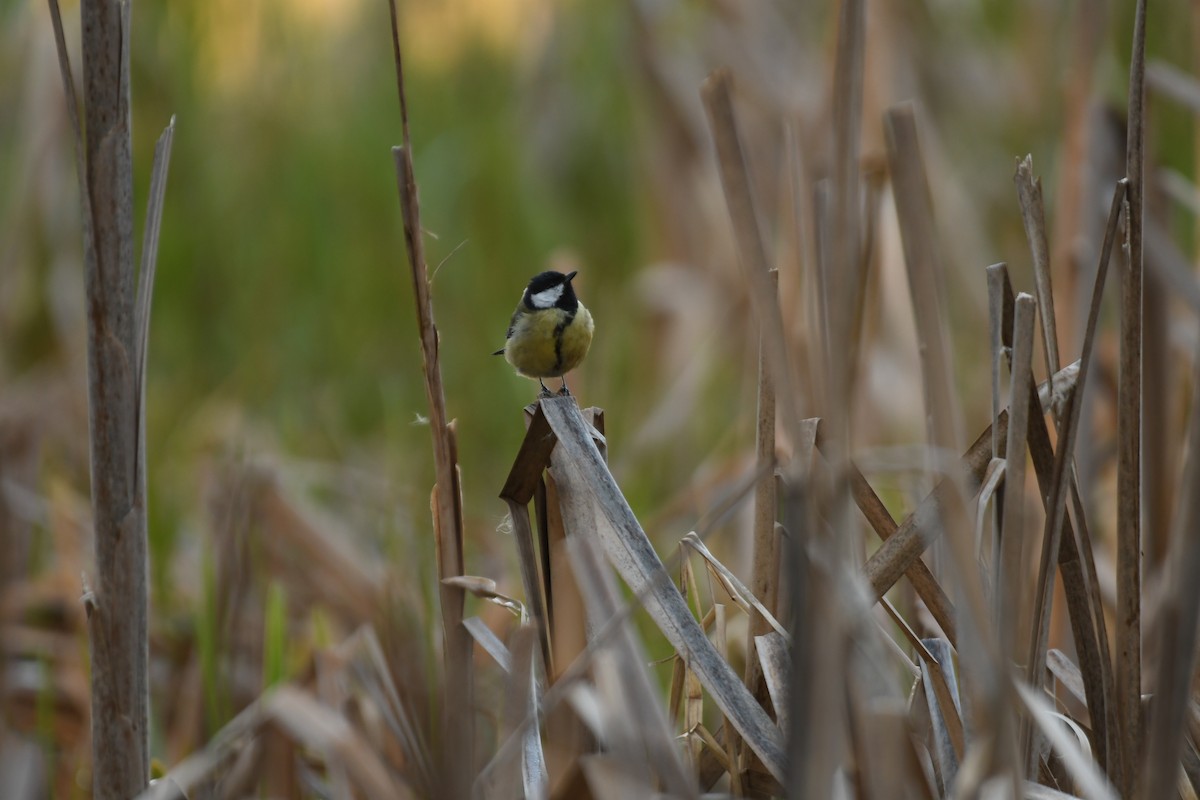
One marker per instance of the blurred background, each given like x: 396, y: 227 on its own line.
x: 285, y: 398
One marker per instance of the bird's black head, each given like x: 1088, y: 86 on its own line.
x: 551, y: 289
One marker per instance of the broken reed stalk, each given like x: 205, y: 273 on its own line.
x: 1033, y: 214
x: 921, y: 257
x: 717, y: 94
x: 845, y: 278
x: 1011, y: 591
x: 764, y: 582
x: 458, y: 710
x: 1129, y: 439
x: 118, y: 320
x: 577, y: 459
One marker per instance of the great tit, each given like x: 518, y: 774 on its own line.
x: 550, y: 332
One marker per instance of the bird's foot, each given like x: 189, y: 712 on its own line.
x: 545, y: 392
x: 564, y: 391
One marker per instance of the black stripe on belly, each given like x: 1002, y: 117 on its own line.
x: 558, y: 340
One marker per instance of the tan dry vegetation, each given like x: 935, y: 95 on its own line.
x: 1007, y: 608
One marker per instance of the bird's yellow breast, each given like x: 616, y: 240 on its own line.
x: 549, y: 343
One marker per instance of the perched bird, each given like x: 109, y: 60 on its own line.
x: 550, y: 332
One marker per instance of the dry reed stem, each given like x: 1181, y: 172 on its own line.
x: 117, y: 326
x: 846, y: 265
x: 764, y: 581
x: 997, y: 274
x: 567, y: 738
x: 459, y: 722
x: 1011, y: 590
x: 1129, y: 439
x: 1033, y: 214
x: 1052, y: 536
x: 1013, y: 545
x: 911, y: 189
x: 717, y: 95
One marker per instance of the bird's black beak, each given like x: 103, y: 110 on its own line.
x: 571, y: 275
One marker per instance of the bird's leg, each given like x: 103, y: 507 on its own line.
x: 545, y: 390
x: 564, y: 391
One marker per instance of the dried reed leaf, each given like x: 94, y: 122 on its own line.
x: 490, y: 642
x: 635, y: 722
x: 200, y: 766
x: 527, y: 558
x: 322, y: 729
x: 993, y: 481
x: 535, y: 781
x: 626, y: 545
x: 1083, y: 769
x: 737, y: 590
x: 775, y: 660
x: 705, y: 739
x: 1064, y: 669
x: 485, y: 588
x: 377, y: 680
x: 732, y: 742
x: 941, y: 693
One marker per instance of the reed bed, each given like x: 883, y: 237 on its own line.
x: 1006, y: 608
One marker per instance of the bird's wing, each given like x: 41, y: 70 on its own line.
x: 512, y: 327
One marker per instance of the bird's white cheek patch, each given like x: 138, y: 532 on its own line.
x: 546, y: 298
